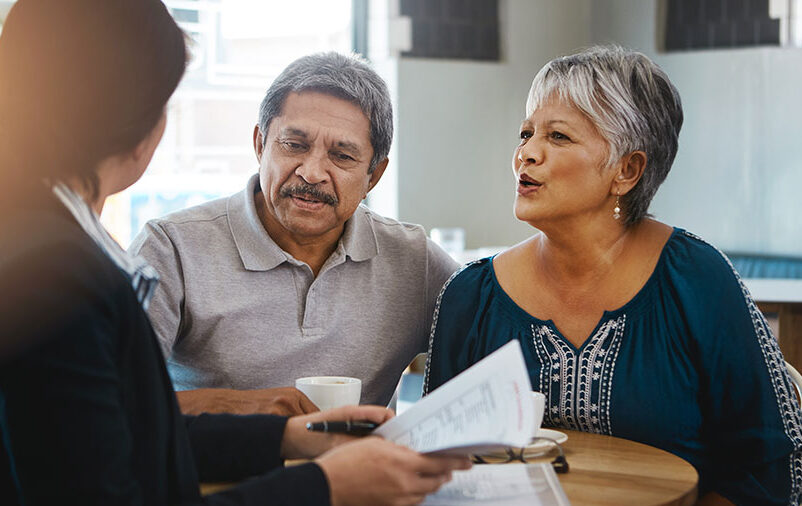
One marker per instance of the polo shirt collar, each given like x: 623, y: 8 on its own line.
x: 259, y: 252
x: 359, y: 238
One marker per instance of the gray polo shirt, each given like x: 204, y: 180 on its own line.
x: 234, y: 310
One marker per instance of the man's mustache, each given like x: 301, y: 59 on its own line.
x: 303, y: 190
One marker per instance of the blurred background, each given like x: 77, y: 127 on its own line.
x: 459, y: 71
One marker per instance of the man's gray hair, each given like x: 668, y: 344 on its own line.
x: 632, y: 103
x: 347, y: 77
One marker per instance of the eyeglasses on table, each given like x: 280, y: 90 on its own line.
x: 560, y: 464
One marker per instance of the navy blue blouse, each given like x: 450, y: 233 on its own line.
x: 688, y: 365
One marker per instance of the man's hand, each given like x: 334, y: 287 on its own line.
x: 285, y: 401
x: 372, y: 471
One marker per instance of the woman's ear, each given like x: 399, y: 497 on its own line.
x: 630, y: 172
x: 143, y: 152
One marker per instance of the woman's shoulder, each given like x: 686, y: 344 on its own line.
x: 38, y: 222
x: 42, y: 236
x: 700, y: 274
x: 45, y: 246
x: 466, y: 289
x: 698, y: 260
x: 471, y: 279
x: 56, y: 284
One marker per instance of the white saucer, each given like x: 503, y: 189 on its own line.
x: 537, y: 446
x: 559, y: 437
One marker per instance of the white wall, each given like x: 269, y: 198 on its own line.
x: 737, y: 180
x: 458, y: 123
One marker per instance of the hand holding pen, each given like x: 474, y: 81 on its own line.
x: 365, y: 470
x: 307, y: 436
x: 353, y: 428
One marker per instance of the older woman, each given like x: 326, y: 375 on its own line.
x: 87, y: 411
x: 629, y: 326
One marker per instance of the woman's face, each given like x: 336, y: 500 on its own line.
x: 561, y: 167
x: 129, y: 167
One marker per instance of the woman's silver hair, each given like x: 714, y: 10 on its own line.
x: 632, y: 103
x: 347, y: 77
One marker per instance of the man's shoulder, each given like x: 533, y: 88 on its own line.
x: 400, y: 242
x: 201, y: 224
x: 407, y: 242
x: 198, y: 214
x: 388, y: 229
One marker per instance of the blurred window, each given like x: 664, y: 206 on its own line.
x: 691, y: 24
x: 456, y: 30
x: 239, y: 47
x: 5, y: 5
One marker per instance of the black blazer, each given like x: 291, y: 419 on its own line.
x: 87, y: 410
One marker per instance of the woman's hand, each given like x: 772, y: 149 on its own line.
x: 299, y: 443
x: 372, y: 471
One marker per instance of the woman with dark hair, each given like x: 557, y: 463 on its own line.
x: 630, y: 327
x: 87, y: 411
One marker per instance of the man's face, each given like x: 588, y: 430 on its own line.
x: 313, y: 167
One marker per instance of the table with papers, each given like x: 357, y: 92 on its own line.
x: 607, y: 470
x: 489, y: 407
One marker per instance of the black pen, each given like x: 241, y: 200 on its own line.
x: 347, y: 427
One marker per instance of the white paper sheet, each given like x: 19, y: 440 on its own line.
x: 502, y: 485
x: 487, y: 406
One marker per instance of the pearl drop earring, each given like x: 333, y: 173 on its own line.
x: 617, y: 210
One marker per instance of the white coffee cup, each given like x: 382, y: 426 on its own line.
x: 330, y: 391
x: 539, y: 401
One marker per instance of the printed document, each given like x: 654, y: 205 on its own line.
x: 502, y: 485
x: 487, y: 407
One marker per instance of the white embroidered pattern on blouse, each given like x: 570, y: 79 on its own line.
x: 578, y: 388
x: 780, y: 380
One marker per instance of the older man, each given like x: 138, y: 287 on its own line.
x: 292, y: 276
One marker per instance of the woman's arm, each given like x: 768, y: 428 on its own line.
x: 752, y: 420
x: 63, y: 421
x: 62, y: 415
x: 453, y: 331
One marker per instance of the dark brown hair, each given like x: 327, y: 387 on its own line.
x: 81, y: 80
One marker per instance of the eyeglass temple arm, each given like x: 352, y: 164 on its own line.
x: 560, y: 464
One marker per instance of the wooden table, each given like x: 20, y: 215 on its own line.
x: 607, y: 470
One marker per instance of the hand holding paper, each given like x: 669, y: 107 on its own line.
x: 486, y: 407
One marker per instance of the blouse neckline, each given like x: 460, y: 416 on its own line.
x: 641, y: 297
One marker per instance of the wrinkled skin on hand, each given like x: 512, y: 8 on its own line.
x: 284, y: 401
